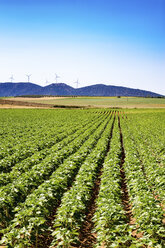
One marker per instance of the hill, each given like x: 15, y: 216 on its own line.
x: 109, y: 90
x: 17, y: 89
x: 61, y: 89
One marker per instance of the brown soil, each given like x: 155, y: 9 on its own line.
x: 14, y: 103
x: 125, y: 196
x: 87, y: 238
x: 23, y: 104
x: 45, y: 239
x: 37, y: 98
x: 7, y: 106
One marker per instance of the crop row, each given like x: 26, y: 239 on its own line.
x: 21, y: 130
x: 45, y: 199
x: 111, y: 224
x: 31, y: 216
x: 63, y: 140
x: 71, y: 213
x: 40, y: 141
x: 152, y: 128
x: 17, y: 191
x: 146, y: 209
x: 153, y: 170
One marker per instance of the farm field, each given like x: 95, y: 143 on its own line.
x: 103, y: 102
x: 82, y: 178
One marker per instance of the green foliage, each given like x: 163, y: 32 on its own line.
x: 71, y: 213
x: 48, y: 194
x: 146, y: 208
x: 110, y: 219
x: 49, y: 160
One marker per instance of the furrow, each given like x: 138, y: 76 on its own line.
x: 124, y: 189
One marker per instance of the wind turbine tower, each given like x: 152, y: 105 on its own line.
x: 56, y: 77
x: 77, y: 83
x: 28, y: 77
x: 11, y: 78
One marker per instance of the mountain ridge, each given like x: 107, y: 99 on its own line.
x: 22, y: 88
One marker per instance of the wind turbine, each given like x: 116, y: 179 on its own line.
x: 28, y: 76
x: 77, y: 83
x: 56, y: 77
x: 11, y: 78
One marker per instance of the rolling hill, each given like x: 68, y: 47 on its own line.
x: 61, y: 89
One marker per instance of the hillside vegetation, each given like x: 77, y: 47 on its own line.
x: 61, y: 89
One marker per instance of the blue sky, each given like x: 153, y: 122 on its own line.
x: 115, y: 42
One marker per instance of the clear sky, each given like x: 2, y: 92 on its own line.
x: 115, y: 42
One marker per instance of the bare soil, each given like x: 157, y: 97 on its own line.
x: 18, y: 107
x: 87, y: 238
x: 22, y: 104
x: 36, y: 98
x: 5, y: 103
x: 124, y: 189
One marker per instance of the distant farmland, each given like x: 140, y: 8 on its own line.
x: 103, y: 102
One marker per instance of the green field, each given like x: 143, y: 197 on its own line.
x: 122, y: 102
x: 82, y: 177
